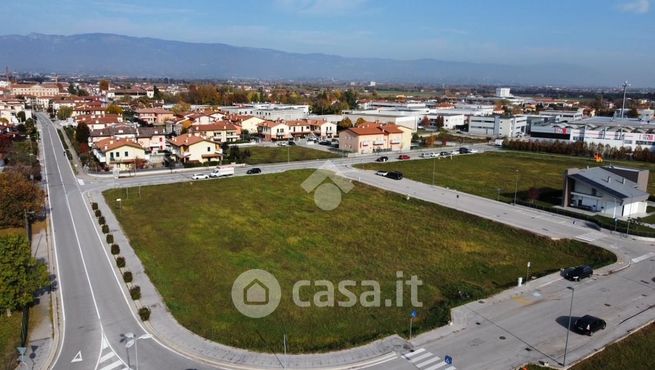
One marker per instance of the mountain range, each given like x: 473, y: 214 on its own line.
x: 117, y: 55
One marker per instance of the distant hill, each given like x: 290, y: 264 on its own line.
x: 116, y: 55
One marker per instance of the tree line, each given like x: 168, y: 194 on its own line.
x: 581, y: 149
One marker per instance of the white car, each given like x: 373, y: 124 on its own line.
x: 282, y: 143
x: 200, y: 176
x: 382, y: 173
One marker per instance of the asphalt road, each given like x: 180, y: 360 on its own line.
x: 95, y: 310
x: 498, y: 333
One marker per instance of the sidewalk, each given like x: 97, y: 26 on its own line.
x: 40, y: 340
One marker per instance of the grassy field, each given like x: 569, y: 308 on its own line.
x: 493, y: 175
x: 634, y: 352
x: 9, y: 340
x: 196, y: 242
x: 282, y: 154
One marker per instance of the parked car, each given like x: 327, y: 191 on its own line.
x: 253, y: 171
x: 588, y: 325
x: 403, y: 157
x: 282, y: 143
x: 464, y: 151
x: 382, y: 173
x: 292, y: 143
x: 395, y: 175
x: 445, y: 154
x: 325, y: 142
x: 200, y: 176
x: 384, y: 158
x: 429, y: 155
x: 577, y: 273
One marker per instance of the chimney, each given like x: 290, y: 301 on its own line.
x: 609, y: 178
x: 622, y: 180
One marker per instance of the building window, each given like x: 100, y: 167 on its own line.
x: 127, y: 155
x: 593, y: 192
x: 118, y: 154
x: 209, y: 149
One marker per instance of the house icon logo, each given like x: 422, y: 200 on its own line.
x: 256, y: 293
x: 327, y: 195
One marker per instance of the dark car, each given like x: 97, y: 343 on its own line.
x: 292, y: 143
x: 395, y: 175
x: 403, y: 157
x: 588, y: 325
x: 325, y: 142
x: 382, y: 159
x: 445, y: 154
x: 464, y: 151
x: 253, y: 171
x: 577, y: 273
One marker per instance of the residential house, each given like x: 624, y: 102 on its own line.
x: 155, y: 116
x: 99, y: 122
x: 152, y: 139
x: 191, y: 148
x: 615, y: 192
x: 247, y: 123
x: 374, y: 137
x: 219, y: 132
x: 94, y: 108
x: 124, y: 154
x: 117, y: 131
x: 322, y: 128
x: 274, y: 130
x: 299, y: 128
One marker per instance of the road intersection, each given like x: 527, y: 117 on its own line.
x: 501, y: 332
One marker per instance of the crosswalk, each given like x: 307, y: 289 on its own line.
x: 109, y: 360
x: 590, y: 236
x: 426, y: 360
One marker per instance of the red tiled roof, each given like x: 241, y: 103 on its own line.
x: 369, y: 128
x: 186, y: 140
x: 111, y: 144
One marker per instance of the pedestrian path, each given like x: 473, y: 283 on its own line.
x: 108, y: 359
x: 425, y: 360
x: 590, y: 236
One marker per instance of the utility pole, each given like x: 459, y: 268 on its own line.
x: 625, y: 88
x: 566, y: 345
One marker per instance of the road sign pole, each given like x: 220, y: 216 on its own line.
x: 411, y: 319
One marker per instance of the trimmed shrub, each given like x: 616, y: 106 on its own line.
x: 98, y: 213
x: 144, y: 313
x: 105, y: 229
x: 120, y: 262
x: 110, y: 238
x: 115, y: 249
x: 101, y: 220
x: 127, y: 276
x: 94, y: 206
x: 135, y: 292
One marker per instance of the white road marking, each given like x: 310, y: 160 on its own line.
x: 433, y: 359
x: 441, y: 364
x: 643, y: 258
x: 77, y: 358
x: 590, y: 236
x: 113, y: 365
x: 80, y: 181
x: 421, y: 357
x: 451, y: 368
x: 412, y: 354
x: 107, y: 357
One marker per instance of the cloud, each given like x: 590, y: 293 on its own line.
x: 636, y: 6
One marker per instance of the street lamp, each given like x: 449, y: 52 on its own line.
x: 568, y: 328
x: 516, y: 187
x: 132, y: 340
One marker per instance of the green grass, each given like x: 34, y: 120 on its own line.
x: 634, y: 352
x: 493, y: 174
x: 9, y: 339
x: 196, y: 242
x: 282, y: 154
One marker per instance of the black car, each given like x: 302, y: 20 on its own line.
x: 577, y: 273
x: 395, y: 175
x: 382, y: 159
x: 325, y: 142
x: 588, y: 325
x: 253, y: 171
x: 292, y: 143
x: 464, y: 151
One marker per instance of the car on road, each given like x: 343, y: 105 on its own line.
x: 282, y: 143
x: 577, y: 273
x: 588, y: 325
x: 200, y: 176
x: 395, y: 175
x: 429, y: 155
x: 253, y: 171
x: 382, y: 173
x: 445, y: 154
x: 403, y: 157
x: 382, y: 159
x: 325, y: 142
x: 292, y: 143
x: 465, y: 151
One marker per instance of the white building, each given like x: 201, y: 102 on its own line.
x: 269, y: 111
x: 503, y: 92
x: 612, y: 191
x: 408, y: 119
x: 564, y: 115
x: 497, y: 126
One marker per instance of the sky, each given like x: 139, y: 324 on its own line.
x: 613, y: 37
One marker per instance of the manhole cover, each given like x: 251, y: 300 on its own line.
x: 502, y: 337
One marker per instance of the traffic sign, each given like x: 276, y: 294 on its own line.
x: 448, y: 360
x: 413, y: 314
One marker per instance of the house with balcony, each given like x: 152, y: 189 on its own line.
x: 616, y: 192
x: 196, y: 149
x: 219, y: 132
x: 116, y: 131
x: 247, y: 123
x: 274, y: 130
x: 322, y: 128
x: 155, y: 116
x: 374, y: 137
x: 124, y: 154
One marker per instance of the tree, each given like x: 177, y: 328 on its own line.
x: 345, y: 124
x: 425, y: 121
x: 21, y: 116
x: 360, y: 121
x: 21, y: 275
x: 82, y: 133
x: 533, y: 194
x: 156, y: 93
x: 72, y: 89
x: 180, y: 108
x: 440, y: 122
x: 632, y: 113
x: 104, y: 85
x: 17, y: 196
x: 114, y: 109
x: 64, y: 113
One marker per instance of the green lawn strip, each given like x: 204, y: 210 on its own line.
x: 195, y: 238
x: 9, y: 340
x: 633, y: 352
x: 282, y: 154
